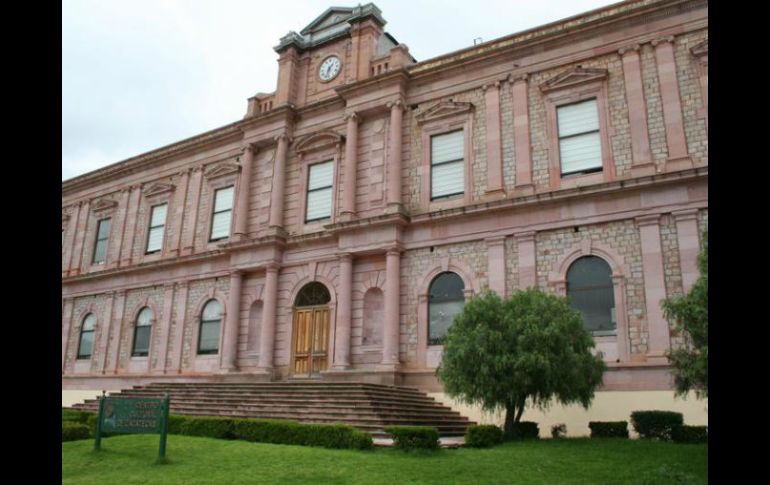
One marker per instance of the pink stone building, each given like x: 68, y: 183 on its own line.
x: 334, y: 230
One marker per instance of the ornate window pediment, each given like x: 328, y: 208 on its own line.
x: 572, y: 77
x: 444, y: 109
x: 103, y: 205
x: 318, y: 141
x: 222, y: 169
x: 158, y: 188
x: 701, y: 49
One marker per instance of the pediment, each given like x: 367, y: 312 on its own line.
x: 222, y: 169
x: 332, y: 16
x: 318, y: 141
x: 701, y: 49
x: 444, y: 109
x: 573, y: 77
x: 158, y: 188
x: 102, y: 205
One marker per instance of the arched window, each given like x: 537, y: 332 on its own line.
x: 445, y: 300
x: 86, y: 343
x: 590, y: 290
x: 208, y: 337
x: 142, y: 333
x: 312, y: 294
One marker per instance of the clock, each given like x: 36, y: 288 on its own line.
x: 329, y: 69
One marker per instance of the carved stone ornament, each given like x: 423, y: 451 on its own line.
x: 573, y: 77
x: 158, y: 188
x: 318, y: 141
x: 700, y: 49
x: 444, y: 109
x: 222, y: 169
x: 102, y: 205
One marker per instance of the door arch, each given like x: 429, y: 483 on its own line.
x: 311, y: 322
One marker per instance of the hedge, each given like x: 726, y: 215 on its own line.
x: 74, y: 415
x: 71, y: 431
x: 656, y: 424
x: 483, y: 436
x: 414, y: 437
x: 690, y: 434
x: 525, y: 430
x: 608, y: 429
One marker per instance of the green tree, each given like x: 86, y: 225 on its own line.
x: 530, y: 347
x: 690, y: 314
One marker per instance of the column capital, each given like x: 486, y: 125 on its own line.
x: 272, y: 267
x: 685, y: 214
x: 248, y: 148
x: 394, y: 250
x: 181, y: 285
x: 351, y: 116
x: 345, y: 256
x: 197, y: 168
x: 525, y: 236
x: 518, y: 78
x: 648, y: 220
x: 396, y: 103
x: 495, y: 241
x: 669, y: 39
x: 282, y: 137
x: 495, y: 84
x: 236, y: 273
x: 629, y: 49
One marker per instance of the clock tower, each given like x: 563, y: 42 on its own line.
x: 341, y: 46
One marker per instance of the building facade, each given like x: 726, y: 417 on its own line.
x: 334, y: 231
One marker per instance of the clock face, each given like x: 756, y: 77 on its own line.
x: 330, y: 68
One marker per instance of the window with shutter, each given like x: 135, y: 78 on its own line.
x: 319, y: 192
x: 157, y: 228
x: 447, y: 165
x: 223, y: 212
x: 102, y: 237
x: 579, y: 142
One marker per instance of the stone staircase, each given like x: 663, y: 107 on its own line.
x: 368, y: 407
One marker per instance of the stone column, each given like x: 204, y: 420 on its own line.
x: 69, y: 240
x: 117, y: 334
x: 120, y: 226
x: 494, y: 143
x: 279, y: 177
x: 269, y: 305
x: 131, y: 217
x: 344, y: 314
x: 104, y: 333
x: 181, y: 318
x: 678, y: 158
x: 658, y: 340
x: 177, y: 222
x: 164, y: 328
x: 230, y: 347
x: 244, y: 189
x: 689, y: 246
x: 196, y: 180
x: 641, y: 163
x: 521, y: 139
x: 390, y: 337
x: 525, y: 249
x: 351, y: 165
x: 394, y: 156
x: 496, y: 261
x: 69, y: 305
x: 80, y: 235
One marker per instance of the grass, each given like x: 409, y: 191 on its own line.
x: 130, y: 459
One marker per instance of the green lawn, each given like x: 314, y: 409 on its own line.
x: 129, y: 460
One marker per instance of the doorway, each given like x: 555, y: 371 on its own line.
x: 311, y: 330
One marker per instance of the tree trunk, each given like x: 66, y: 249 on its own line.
x: 510, y: 413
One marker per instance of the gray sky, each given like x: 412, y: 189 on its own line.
x: 142, y: 74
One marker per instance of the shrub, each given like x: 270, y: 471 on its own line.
x: 71, y: 431
x: 210, y: 427
x: 75, y: 416
x: 656, y: 424
x: 525, y: 430
x: 483, y: 436
x: 609, y: 429
x: 558, y: 431
x: 414, y: 437
x: 690, y: 434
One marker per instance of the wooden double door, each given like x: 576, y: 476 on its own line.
x: 311, y: 340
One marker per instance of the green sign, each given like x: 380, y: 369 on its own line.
x: 133, y: 415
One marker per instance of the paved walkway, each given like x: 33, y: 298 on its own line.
x: 446, y: 442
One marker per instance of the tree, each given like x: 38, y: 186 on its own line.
x: 529, y: 347
x: 690, y: 314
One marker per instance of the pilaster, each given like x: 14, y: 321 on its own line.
x: 496, y: 262
x: 525, y: 250
x: 641, y: 163
x: 390, y: 341
x: 521, y: 135
x: 678, y: 157
x: 495, y: 187
x: 658, y: 341
x: 344, y: 313
x: 689, y: 246
x: 351, y: 165
x: 394, y: 155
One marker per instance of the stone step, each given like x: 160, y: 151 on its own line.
x: 314, y: 387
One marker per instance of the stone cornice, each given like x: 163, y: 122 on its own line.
x: 398, y: 77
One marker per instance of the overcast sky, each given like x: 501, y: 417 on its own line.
x: 142, y: 74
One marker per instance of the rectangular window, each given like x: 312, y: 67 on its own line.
x: 447, y: 165
x: 223, y: 212
x: 157, y: 227
x: 319, y: 191
x: 102, y: 235
x: 580, y: 148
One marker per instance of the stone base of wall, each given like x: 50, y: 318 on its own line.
x: 606, y: 406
